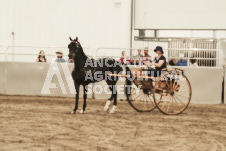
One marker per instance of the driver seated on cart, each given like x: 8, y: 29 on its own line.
x: 159, y: 62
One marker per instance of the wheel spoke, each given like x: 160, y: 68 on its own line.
x: 174, y: 83
x: 182, y: 96
x: 173, y: 105
x: 151, y: 101
x: 167, y: 84
x: 143, y: 103
x: 137, y: 97
x: 181, y: 85
x: 168, y: 107
x: 171, y: 84
x: 133, y: 93
x: 165, y: 102
x: 140, y: 101
x: 176, y: 103
x: 147, y: 102
x: 179, y: 99
x: 182, y: 91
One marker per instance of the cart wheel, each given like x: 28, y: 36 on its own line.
x: 140, y: 99
x: 172, y: 93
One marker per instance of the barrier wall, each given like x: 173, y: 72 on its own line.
x: 29, y: 79
x: 2, y: 78
x: 45, y: 79
x: 206, y: 84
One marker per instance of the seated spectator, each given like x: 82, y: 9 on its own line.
x: 146, y: 56
x: 41, y: 57
x: 182, y: 61
x: 139, y: 53
x: 123, y: 58
x: 59, y: 57
x: 137, y: 58
x: 193, y: 63
x: 173, y: 61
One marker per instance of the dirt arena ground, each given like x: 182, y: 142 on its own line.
x: 44, y: 123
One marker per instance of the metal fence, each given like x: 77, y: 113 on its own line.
x: 30, y: 53
x: 204, y: 51
x: 205, y: 57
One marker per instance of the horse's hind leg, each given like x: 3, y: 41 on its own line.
x: 84, y: 97
x: 76, y: 98
x: 114, y: 92
x: 108, y: 103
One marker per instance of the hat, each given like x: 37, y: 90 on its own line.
x: 59, y: 52
x: 146, y: 48
x: 181, y: 55
x: 158, y: 48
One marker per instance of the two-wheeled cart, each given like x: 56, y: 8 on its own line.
x: 170, y: 92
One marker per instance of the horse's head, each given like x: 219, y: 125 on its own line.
x: 74, y: 48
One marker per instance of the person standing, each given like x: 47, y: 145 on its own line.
x: 41, y: 57
x: 59, y: 57
x: 193, y: 63
x: 146, y: 56
x: 123, y: 59
x: 139, y: 53
x: 182, y: 61
x: 138, y: 57
x: 173, y: 61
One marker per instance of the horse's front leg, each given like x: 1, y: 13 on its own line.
x: 85, y: 87
x: 76, y: 98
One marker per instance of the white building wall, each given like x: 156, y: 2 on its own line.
x: 180, y: 14
x: 97, y: 23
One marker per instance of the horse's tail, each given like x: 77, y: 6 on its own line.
x: 128, y: 81
x: 128, y: 71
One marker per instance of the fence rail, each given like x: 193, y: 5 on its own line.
x: 204, y: 57
x: 30, y: 53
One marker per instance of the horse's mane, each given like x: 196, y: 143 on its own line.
x: 82, y: 52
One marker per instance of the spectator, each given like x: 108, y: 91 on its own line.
x: 193, y: 63
x: 182, y: 61
x: 146, y: 55
x: 123, y: 58
x: 59, y: 57
x: 137, y: 59
x: 139, y: 53
x: 173, y: 61
x: 41, y: 57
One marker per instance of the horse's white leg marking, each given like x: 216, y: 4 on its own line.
x: 106, y: 107
x: 113, y: 109
x: 82, y: 111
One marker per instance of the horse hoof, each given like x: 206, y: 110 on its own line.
x: 73, y: 112
x: 113, y: 109
x: 82, y: 112
x: 106, y: 107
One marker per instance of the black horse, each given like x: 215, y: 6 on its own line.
x: 88, y: 71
